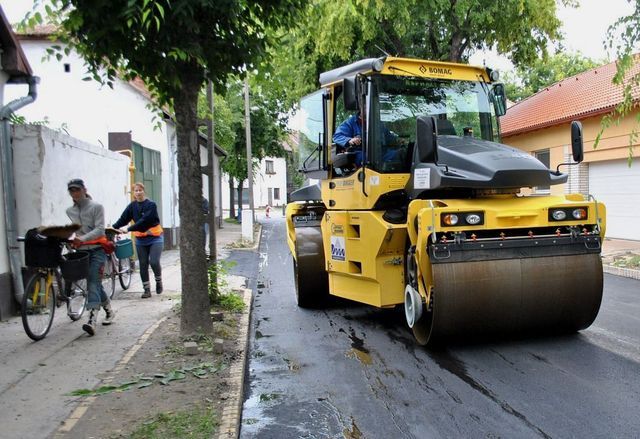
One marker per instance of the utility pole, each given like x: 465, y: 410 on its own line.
x: 211, y: 145
x: 247, y: 220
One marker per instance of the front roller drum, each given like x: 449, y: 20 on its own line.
x: 510, y: 296
x: 312, y: 282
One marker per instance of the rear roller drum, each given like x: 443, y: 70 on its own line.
x: 312, y: 285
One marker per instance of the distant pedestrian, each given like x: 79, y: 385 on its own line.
x: 267, y: 210
x: 205, y: 212
x: 148, y: 233
x: 90, y: 216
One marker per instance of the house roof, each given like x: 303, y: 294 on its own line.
x: 584, y: 95
x: 14, y: 61
x: 39, y: 32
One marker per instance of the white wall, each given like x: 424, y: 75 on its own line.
x: 4, y: 254
x: 89, y: 111
x: 46, y: 160
x: 264, y: 181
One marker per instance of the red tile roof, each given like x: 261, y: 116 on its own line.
x: 587, y: 94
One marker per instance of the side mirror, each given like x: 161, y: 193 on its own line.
x: 426, y: 139
x: 350, y: 93
x: 499, y: 99
x: 577, y: 148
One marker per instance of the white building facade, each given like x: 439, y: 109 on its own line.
x: 89, y: 111
x: 269, y: 185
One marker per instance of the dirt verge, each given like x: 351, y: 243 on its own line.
x: 162, y: 392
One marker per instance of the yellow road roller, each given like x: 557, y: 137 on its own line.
x: 412, y: 200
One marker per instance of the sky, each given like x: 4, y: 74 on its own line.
x: 584, y: 27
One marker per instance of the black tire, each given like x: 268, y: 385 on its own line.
x: 76, y: 293
x: 312, y: 281
x: 109, y: 272
x: 125, y: 270
x: 59, y: 288
x: 38, y: 306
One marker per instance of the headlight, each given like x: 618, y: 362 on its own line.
x: 568, y: 214
x: 450, y: 219
x: 473, y: 219
x: 462, y: 219
x: 579, y: 213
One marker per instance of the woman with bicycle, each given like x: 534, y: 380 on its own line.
x: 148, y: 233
x: 90, y: 216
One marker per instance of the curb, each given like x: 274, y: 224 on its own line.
x: 623, y: 272
x: 232, y: 413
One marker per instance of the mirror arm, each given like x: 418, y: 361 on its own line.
x: 564, y: 164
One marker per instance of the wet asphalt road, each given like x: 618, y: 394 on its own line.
x: 353, y: 371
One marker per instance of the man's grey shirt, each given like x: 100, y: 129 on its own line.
x: 90, y: 216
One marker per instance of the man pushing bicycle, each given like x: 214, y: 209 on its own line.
x: 90, y: 216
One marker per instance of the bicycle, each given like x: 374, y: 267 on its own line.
x: 115, y: 266
x: 43, y: 290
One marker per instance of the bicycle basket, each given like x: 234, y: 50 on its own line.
x: 40, y: 251
x: 124, y: 248
x: 75, y: 266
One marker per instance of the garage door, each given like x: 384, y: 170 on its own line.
x: 618, y: 186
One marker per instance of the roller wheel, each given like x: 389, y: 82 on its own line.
x: 312, y: 285
x: 419, y: 320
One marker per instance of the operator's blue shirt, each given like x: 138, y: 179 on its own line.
x: 351, y: 128
x: 347, y: 130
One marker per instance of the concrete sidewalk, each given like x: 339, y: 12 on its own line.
x: 37, y: 377
x: 616, y: 248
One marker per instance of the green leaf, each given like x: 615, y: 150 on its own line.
x: 81, y: 392
x: 160, y: 10
x: 145, y: 384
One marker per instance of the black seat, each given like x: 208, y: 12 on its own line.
x: 445, y: 127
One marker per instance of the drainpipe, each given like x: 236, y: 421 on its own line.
x: 8, y: 185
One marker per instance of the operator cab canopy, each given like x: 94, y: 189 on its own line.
x: 391, y: 95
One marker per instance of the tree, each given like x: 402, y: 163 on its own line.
x: 623, y: 36
x: 268, y: 129
x: 174, y: 46
x: 336, y: 32
x: 543, y: 72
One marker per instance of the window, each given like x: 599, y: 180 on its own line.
x: 276, y: 193
x: 462, y: 108
x: 544, y: 157
x: 269, y: 165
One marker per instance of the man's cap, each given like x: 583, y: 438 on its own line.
x: 76, y: 183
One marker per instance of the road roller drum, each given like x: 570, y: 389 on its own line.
x: 510, y: 296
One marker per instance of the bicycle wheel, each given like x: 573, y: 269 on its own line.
x: 109, y: 276
x: 125, y: 268
x: 59, y: 287
x: 76, y: 298
x: 38, y: 306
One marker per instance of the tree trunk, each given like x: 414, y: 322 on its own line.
x: 232, y: 200
x: 195, y: 315
x: 240, y: 197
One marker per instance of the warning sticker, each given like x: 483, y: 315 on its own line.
x: 338, y: 252
x: 422, y: 178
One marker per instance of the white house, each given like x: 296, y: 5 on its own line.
x: 269, y: 185
x: 82, y: 129
x: 118, y: 118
